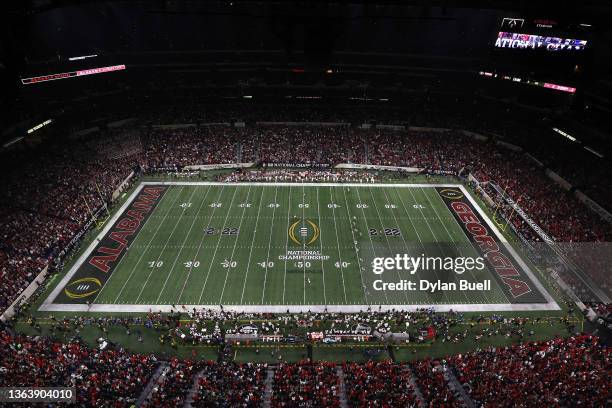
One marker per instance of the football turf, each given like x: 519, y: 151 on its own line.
x: 276, y: 245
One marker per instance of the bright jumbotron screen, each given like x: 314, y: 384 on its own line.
x: 536, y: 42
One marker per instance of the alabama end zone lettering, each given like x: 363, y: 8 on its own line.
x: 95, y: 271
x: 514, y: 282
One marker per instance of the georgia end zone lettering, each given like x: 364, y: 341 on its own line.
x: 95, y: 271
x: 513, y: 280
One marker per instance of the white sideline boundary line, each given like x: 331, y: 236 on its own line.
x: 49, y: 306
x: 253, y: 183
x: 475, y: 307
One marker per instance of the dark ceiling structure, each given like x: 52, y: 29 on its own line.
x: 384, y: 44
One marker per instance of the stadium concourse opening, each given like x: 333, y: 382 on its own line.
x: 277, y: 247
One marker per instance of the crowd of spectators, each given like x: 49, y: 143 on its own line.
x: 571, y: 371
x: 329, y: 145
x: 176, y: 148
x: 546, y: 202
x: 47, y: 198
x: 434, y: 387
x: 102, y: 378
x: 554, y: 373
x: 230, y: 384
x: 306, y: 384
x: 555, y: 210
x: 284, y: 176
x: 379, y: 384
x: 172, y: 386
x: 601, y: 309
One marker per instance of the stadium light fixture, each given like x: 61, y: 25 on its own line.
x: 595, y: 152
x: 12, y: 142
x: 564, y: 134
x: 82, y: 57
x: 548, y: 85
x: 40, y: 125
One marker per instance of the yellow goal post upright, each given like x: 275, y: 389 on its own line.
x: 498, y: 218
x: 513, y: 212
x: 102, y: 218
x: 99, y: 217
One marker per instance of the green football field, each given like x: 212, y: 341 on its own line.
x: 273, y: 247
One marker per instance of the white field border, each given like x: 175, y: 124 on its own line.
x: 49, y: 306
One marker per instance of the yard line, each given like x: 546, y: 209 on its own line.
x: 263, y: 292
x: 321, y: 245
x: 397, y: 226
x: 466, y: 237
x: 370, y: 236
x: 234, y: 249
x: 125, y: 255
x: 338, y: 242
x: 365, y: 290
x: 435, y: 239
x: 142, y: 254
x: 416, y: 231
x: 287, y: 244
x: 164, y: 248
x: 252, y: 244
x: 199, y: 247
x: 182, y: 246
x: 303, y: 246
x: 217, y: 247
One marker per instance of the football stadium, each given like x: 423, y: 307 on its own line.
x: 305, y: 204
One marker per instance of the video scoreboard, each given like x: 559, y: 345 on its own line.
x: 531, y: 41
x: 541, y: 52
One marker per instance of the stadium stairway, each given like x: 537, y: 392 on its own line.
x: 163, y: 367
x: 454, y: 385
x: 267, y: 397
x: 192, y: 391
x: 342, y: 387
x: 415, y: 387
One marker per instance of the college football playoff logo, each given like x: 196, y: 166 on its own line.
x: 451, y: 193
x: 82, y: 288
x: 304, y: 232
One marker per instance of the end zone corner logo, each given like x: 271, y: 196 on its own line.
x: 82, y: 288
x: 451, y: 193
x: 308, y: 232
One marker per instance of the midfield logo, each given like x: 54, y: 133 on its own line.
x: 307, y: 234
